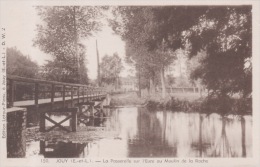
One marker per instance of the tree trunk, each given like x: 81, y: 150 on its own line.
x: 243, y: 127
x: 115, y: 85
x: 152, y: 87
x: 139, y: 84
x: 76, y: 45
x: 163, y: 82
x: 98, y: 65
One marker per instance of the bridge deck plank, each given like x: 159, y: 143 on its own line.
x: 44, y: 101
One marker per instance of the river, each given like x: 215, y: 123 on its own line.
x: 143, y: 133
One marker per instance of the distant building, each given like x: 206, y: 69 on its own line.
x: 128, y: 84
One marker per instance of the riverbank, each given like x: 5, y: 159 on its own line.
x: 173, y: 101
x: 127, y: 99
x: 187, y: 102
x: 208, y: 105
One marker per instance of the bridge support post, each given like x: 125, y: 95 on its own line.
x: 16, y: 132
x: 71, y: 96
x: 42, y: 147
x: 73, y: 122
x: 63, y: 95
x: 42, y: 121
x: 107, y: 100
x: 91, y: 110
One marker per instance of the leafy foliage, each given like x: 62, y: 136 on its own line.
x: 66, y: 71
x: 60, y: 34
x: 20, y: 65
x: 63, y: 26
x: 152, y: 34
x: 110, y: 67
x: 225, y: 33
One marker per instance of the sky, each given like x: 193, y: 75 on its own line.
x: 21, y: 24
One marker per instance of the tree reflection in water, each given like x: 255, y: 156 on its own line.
x: 198, y: 135
x: 142, y: 133
x: 200, y: 146
x: 222, y: 147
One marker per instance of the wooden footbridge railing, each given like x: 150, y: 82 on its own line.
x: 26, y: 91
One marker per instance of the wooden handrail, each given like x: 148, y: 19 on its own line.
x: 78, y: 88
x: 32, y: 80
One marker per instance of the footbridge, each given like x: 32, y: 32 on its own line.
x: 41, y: 97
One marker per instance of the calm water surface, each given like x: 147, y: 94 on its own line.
x: 158, y: 134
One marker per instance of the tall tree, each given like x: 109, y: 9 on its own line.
x: 59, y: 70
x: 130, y: 23
x: 225, y: 34
x: 61, y: 32
x: 111, y: 67
x: 157, y: 29
x: 145, y: 64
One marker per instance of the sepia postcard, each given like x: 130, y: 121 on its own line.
x: 130, y: 83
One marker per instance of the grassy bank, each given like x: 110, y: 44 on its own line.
x: 220, y: 105
x: 178, y: 100
x: 127, y: 99
x: 187, y: 102
x: 175, y: 101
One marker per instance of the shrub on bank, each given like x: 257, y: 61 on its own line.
x: 221, y: 105
x: 174, y: 104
